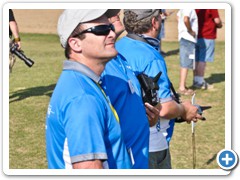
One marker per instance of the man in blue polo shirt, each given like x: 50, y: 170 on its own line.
x: 141, y: 50
x: 121, y: 85
x: 82, y: 127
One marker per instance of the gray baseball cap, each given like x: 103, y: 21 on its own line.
x: 70, y: 18
x: 143, y: 13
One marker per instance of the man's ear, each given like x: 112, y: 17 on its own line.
x: 75, y: 44
x: 156, y: 24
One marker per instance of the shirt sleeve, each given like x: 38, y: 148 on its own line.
x: 152, y: 69
x: 215, y: 13
x: 84, y: 128
x: 11, y: 15
x: 187, y: 12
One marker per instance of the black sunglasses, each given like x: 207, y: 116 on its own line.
x: 98, y: 30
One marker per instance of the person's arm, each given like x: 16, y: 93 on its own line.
x: 14, y: 28
x: 218, y: 22
x: 216, y: 18
x: 188, y: 26
x: 186, y: 110
x: 95, y: 164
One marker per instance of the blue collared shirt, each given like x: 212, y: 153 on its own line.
x: 80, y: 124
x: 122, y: 87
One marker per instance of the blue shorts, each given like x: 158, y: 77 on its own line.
x: 205, y: 50
x: 187, y: 53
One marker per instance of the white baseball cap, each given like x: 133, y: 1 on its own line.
x: 70, y: 18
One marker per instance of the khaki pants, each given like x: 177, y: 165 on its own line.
x: 12, y: 59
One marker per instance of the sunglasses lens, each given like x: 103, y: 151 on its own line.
x: 98, y: 30
x: 103, y: 29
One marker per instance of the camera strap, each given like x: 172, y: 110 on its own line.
x: 72, y: 65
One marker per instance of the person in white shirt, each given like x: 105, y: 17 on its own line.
x: 187, y: 36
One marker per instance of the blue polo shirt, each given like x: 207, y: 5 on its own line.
x: 144, y: 58
x: 80, y: 124
x: 122, y: 87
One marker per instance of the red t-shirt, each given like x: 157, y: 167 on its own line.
x: 206, y: 27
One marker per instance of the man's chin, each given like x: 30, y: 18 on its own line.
x: 110, y: 56
x: 113, y: 53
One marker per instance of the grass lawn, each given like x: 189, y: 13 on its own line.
x: 31, y: 88
x: 210, y: 134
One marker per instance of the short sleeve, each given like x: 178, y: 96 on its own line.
x: 214, y: 13
x: 187, y: 12
x: 11, y: 15
x: 84, y: 127
x: 152, y: 69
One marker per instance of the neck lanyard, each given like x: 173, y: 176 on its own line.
x: 111, y: 106
x: 73, y: 65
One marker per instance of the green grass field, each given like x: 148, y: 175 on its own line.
x: 31, y: 88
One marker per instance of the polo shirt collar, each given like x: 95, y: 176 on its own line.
x: 76, y: 66
x: 154, y: 42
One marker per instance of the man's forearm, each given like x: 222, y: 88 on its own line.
x: 187, y: 24
x: 14, y: 29
x: 171, y: 109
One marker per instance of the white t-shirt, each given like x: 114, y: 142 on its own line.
x: 182, y: 29
x: 157, y: 141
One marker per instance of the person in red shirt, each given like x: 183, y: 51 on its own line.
x: 208, y: 23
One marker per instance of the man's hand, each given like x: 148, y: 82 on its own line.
x: 190, y: 112
x: 192, y: 33
x: 19, y: 44
x: 152, y: 113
